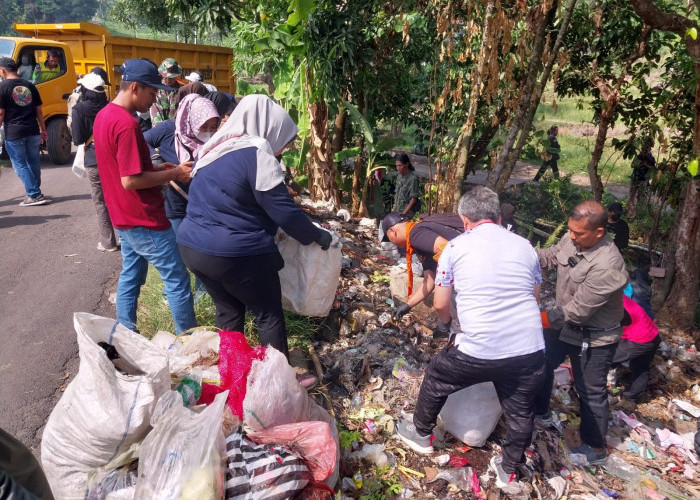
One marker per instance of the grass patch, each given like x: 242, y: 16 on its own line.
x: 154, y: 315
x: 574, y: 117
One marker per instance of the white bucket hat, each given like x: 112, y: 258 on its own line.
x: 93, y: 82
x: 194, y: 77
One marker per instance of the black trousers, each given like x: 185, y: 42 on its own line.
x: 239, y: 283
x: 516, y: 379
x: 640, y: 356
x: 590, y: 380
x: 543, y: 169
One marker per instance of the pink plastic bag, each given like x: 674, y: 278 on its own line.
x: 312, y: 441
x: 235, y: 359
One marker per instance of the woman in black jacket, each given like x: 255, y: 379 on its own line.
x: 93, y: 99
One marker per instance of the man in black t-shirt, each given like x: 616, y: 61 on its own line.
x: 20, y: 112
x: 426, y: 239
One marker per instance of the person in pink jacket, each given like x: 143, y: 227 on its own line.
x: 639, y: 342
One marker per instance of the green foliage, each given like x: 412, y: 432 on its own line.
x: 43, y: 11
x: 552, y: 200
x: 383, y: 485
x: 348, y: 437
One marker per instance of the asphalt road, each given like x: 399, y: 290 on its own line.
x: 49, y: 268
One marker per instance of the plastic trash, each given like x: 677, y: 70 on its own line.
x: 313, y: 441
x: 119, y: 479
x: 685, y: 406
x: 373, y: 453
x: 465, y: 478
x: 274, y: 397
x: 472, y: 414
x: 181, y: 458
x: 102, y: 411
x: 190, y: 388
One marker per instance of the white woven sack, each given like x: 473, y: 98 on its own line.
x: 472, y: 414
x: 102, y: 411
x: 310, y: 275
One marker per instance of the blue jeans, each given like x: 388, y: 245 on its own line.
x: 139, y: 247
x: 198, y: 285
x: 26, y: 161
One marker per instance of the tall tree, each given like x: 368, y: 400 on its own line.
x: 683, y: 258
x: 607, y: 42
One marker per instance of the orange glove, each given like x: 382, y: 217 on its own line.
x: 545, y: 320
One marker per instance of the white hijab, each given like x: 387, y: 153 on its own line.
x: 256, y: 122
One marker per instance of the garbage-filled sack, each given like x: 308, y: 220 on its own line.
x: 106, y: 408
x: 310, y: 276
x: 199, y: 349
x: 183, y: 456
x: 472, y: 414
x: 274, y: 397
x: 257, y: 471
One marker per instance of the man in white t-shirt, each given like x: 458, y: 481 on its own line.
x: 496, y: 275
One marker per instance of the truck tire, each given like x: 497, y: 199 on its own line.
x: 59, y: 144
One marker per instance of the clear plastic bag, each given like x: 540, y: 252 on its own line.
x: 183, y: 456
x: 274, y: 397
x: 119, y: 479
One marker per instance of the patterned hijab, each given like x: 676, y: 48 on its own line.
x: 193, y: 112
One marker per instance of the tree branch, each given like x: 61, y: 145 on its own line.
x: 659, y: 19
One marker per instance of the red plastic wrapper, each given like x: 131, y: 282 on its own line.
x: 235, y: 359
x: 312, y: 441
x: 457, y: 461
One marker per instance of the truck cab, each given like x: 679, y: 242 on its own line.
x: 55, y: 85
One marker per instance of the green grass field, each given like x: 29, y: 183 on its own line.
x: 574, y: 117
x: 154, y: 315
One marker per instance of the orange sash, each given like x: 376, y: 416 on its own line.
x: 409, y: 257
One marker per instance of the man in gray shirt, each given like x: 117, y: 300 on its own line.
x: 585, y: 324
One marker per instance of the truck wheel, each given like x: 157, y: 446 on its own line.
x: 59, y: 141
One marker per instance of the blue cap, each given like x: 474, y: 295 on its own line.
x: 142, y: 71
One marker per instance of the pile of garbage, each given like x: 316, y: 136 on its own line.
x: 202, y: 416
x: 373, y: 368
x: 207, y: 416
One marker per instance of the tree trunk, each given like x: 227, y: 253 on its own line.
x: 322, y: 185
x: 358, y: 181
x: 494, y: 179
x: 537, y: 96
x: 603, y: 125
x: 479, y: 147
x: 338, y: 131
x: 684, y: 274
x: 456, y: 171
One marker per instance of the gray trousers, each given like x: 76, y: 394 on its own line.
x: 104, y: 223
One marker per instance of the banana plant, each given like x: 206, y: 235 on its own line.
x: 374, y: 149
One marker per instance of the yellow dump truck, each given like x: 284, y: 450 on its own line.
x: 83, y: 46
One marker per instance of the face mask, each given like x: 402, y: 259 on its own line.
x: 203, y: 136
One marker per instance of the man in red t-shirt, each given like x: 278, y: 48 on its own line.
x: 132, y: 191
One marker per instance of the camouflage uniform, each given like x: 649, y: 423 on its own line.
x: 164, y: 107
